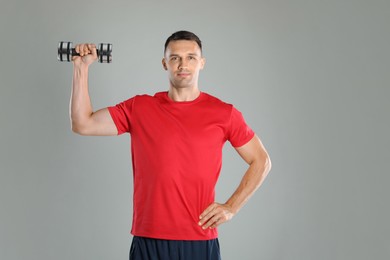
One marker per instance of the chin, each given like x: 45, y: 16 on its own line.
x: 183, y: 84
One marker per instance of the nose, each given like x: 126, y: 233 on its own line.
x: 183, y: 64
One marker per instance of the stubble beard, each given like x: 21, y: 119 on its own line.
x: 182, y: 84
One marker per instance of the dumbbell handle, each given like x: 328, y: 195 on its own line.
x: 74, y: 53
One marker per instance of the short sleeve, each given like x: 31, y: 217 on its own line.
x: 239, y: 133
x: 122, y: 115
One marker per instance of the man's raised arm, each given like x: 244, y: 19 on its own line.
x: 83, y: 120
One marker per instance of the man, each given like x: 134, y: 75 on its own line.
x: 176, y: 143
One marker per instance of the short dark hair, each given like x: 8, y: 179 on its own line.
x: 183, y: 35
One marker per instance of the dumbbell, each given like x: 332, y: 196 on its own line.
x: 66, y: 52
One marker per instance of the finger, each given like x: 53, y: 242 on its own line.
x: 210, y: 208
x: 92, y: 47
x: 212, y: 216
x: 218, y: 222
x: 212, y: 222
x: 206, y: 217
x: 81, y: 49
x: 77, y: 48
x: 86, y: 49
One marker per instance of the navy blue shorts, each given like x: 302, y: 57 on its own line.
x: 159, y: 249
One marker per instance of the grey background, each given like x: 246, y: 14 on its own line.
x: 311, y: 78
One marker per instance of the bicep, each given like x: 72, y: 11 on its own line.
x: 253, y: 151
x: 101, y: 124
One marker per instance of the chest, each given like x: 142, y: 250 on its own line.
x: 193, y: 126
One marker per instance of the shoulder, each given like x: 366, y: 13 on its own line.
x: 140, y: 98
x: 216, y: 102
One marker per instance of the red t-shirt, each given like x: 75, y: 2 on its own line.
x: 176, y: 152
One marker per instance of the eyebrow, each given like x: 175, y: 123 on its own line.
x: 189, y: 54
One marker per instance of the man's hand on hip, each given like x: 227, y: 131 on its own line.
x: 214, y: 215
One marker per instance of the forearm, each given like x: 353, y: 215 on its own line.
x: 80, y: 103
x: 251, y: 181
x: 216, y: 214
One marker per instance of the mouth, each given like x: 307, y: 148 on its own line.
x: 183, y: 74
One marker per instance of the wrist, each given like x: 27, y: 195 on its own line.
x: 231, y: 207
x: 81, y: 67
x: 80, y: 71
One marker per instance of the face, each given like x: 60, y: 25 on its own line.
x: 183, y: 60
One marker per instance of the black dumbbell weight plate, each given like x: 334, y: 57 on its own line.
x: 104, y: 52
x: 64, y: 51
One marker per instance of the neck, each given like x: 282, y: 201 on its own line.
x: 183, y: 94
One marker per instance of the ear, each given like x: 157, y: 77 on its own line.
x: 164, y: 64
x: 203, y: 62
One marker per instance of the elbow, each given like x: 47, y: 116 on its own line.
x: 78, y: 129
x: 80, y: 124
x: 75, y: 129
x: 265, y: 164
x: 267, y: 161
